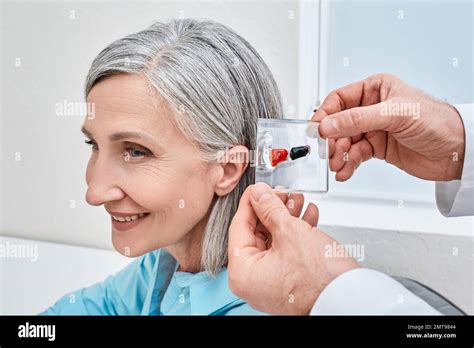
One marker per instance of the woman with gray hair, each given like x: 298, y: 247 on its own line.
x: 169, y: 101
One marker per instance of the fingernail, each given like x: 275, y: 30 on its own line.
x: 329, y: 125
x: 313, y: 130
x: 260, y: 192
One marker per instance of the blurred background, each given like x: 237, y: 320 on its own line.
x: 311, y: 47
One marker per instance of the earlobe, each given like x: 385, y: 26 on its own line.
x: 233, y: 166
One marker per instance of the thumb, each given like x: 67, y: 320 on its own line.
x: 358, y: 120
x: 269, y: 209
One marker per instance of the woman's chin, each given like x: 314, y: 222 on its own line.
x: 128, y: 237
x: 133, y: 247
x: 127, y: 247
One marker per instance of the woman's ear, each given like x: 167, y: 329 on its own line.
x: 232, y: 166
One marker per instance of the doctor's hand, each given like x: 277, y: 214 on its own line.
x: 278, y: 262
x: 385, y: 118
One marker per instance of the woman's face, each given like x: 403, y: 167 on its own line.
x: 140, y: 163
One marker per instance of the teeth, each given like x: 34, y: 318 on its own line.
x: 128, y: 218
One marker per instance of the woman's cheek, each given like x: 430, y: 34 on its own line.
x: 152, y: 194
x: 180, y: 192
x: 192, y: 196
x: 164, y: 194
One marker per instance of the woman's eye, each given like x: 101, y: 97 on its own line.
x: 134, y: 151
x: 131, y: 151
x: 93, y: 144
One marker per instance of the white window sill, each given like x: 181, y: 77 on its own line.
x: 388, y: 212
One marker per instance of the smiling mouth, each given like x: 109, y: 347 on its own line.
x: 129, y: 218
x: 124, y: 223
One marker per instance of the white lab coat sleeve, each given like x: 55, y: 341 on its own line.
x: 364, y: 291
x: 456, y: 198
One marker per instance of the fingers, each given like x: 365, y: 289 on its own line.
x: 269, y: 209
x: 358, y: 108
x: 331, y: 146
x: 295, y: 203
x: 378, y: 140
x: 282, y: 195
x: 339, y: 157
x: 348, y: 154
x: 263, y: 239
x: 311, y: 215
x: 361, y: 93
x: 260, y: 213
x: 359, y: 152
x: 242, y: 228
x: 354, y: 122
x: 341, y: 99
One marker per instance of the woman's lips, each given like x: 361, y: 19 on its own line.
x: 126, y: 225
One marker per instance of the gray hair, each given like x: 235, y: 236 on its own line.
x: 218, y: 85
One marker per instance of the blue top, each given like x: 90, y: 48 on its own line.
x: 150, y: 285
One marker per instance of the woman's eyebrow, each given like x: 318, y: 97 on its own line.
x: 123, y: 135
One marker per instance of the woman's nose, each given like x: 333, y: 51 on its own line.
x: 100, y: 194
x: 102, y: 187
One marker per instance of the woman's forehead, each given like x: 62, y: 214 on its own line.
x: 126, y: 93
x: 124, y: 99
